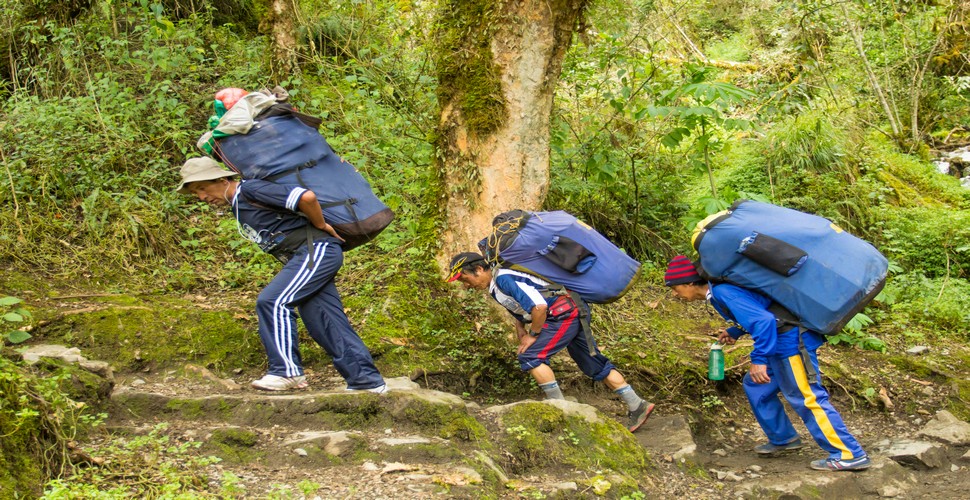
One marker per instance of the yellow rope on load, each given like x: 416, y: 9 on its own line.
x: 506, y: 227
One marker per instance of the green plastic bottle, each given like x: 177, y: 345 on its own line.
x: 715, y: 362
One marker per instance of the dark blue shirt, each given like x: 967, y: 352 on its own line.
x: 266, y: 211
x: 519, y: 292
x: 748, y: 312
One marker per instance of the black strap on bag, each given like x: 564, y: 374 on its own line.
x: 553, y: 290
x: 786, y: 321
x: 349, y: 202
x: 287, y: 247
x: 277, y: 176
x: 806, y: 359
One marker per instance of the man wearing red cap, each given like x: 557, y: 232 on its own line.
x: 546, y: 323
x: 778, y: 365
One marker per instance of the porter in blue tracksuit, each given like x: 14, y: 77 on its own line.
x: 779, y: 351
x: 271, y: 215
x: 778, y: 365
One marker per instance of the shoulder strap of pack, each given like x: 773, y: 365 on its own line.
x: 784, y: 319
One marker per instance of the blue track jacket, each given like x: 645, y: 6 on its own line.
x: 748, y: 312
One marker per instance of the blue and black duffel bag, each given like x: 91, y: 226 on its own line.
x: 821, y: 274
x: 283, y: 149
x: 561, y: 249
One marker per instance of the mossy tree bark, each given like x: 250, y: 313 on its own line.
x: 498, y: 65
x: 280, y: 23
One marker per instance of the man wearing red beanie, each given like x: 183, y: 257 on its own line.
x: 778, y: 365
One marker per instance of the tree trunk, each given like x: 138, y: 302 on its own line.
x: 873, y: 79
x: 919, y: 72
x: 280, y: 23
x: 498, y: 68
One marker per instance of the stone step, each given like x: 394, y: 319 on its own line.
x: 279, y: 447
x: 403, y: 405
x: 885, y: 478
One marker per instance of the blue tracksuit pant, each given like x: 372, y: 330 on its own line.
x: 810, y: 401
x: 310, y: 288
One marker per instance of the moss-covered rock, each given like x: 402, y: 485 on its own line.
x: 538, y: 435
x: 233, y: 445
x: 135, y: 333
x: 37, y: 419
x: 428, y: 412
x: 444, y: 419
x: 75, y: 382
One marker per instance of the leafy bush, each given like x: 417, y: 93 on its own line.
x: 939, y: 305
x: 853, y: 334
x: 805, y: 144
x: 608, y: 165
x: 929, y: 240
x: 13, y: 317
x: 93, y: 141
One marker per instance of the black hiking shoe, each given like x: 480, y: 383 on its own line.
x: 639, y: 416
x: 769, y: 449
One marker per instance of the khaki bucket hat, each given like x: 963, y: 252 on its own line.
x: 201, y: 169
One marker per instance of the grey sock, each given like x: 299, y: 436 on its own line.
x: 552, y: 390
x: 629, y: 396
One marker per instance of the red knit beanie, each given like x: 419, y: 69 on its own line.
x: 680, y: 271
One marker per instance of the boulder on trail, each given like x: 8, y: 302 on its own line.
x: 948, y: 429
x: 885, y: 478
x: 920, y: 455
x: 668, y: 436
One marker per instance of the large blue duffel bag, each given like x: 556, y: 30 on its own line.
x: 821, y: 274
x: 282, y: 149
x: 559, y: 248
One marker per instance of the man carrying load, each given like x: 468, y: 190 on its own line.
x: 547, y: 320
x: 778, y: 365
x: 287, y: 222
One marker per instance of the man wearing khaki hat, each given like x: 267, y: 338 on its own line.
x: 287, y: 222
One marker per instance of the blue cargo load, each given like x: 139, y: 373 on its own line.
x: 284, y: 150
x: 823, y: 275
x: 559, y: 248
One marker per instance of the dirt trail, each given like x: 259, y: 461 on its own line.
x: 725, y: 457
x: 395, y: 462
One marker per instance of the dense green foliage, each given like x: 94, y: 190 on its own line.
x: 664, y: 113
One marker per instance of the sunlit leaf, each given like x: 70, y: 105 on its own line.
x: 17, y: 336
x: 9, y: 301
x: 13, y: 317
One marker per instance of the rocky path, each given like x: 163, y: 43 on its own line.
x: 930, y: 462
x: 412, y: 442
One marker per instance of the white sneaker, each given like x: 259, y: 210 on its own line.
x: 277, y: 383
x: 381, y: 389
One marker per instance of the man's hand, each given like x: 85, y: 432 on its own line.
x: 525, y: 342
x: 309, y: 206
x: 330, y: 230
x: 724, y: 337
x: 759, y: 374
